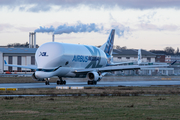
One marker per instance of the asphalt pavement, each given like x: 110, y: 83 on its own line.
x: 84, y: 84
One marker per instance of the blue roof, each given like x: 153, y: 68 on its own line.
x: 18, y: 50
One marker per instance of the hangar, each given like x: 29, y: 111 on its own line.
x: 17, y: 56
x: 122, y: 55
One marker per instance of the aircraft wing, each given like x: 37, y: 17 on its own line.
x: 121, y: 63
x: 116, y: 68
x: 21, y: 66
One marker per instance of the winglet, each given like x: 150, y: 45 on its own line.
x: 5, y: 62
x: 173, y: 62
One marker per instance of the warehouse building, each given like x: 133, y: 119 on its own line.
x: 131, y: 55
x: 17, y: 56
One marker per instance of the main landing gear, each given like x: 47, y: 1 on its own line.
x: 91, y: 82
x: 61, y: 82
x: 47, y: 81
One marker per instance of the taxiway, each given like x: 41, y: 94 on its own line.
x: 99, y: 84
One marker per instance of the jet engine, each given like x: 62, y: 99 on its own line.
x: 94, y: 76
x: 36, y: 79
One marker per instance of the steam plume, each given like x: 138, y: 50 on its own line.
x: 45, y: 29
x: 77, y: 28
x: 82, y: 28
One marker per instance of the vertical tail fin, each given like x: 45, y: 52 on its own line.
x: 139, y: 56
x: 108, y: 46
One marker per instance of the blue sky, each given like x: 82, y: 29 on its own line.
x: 145, y: 24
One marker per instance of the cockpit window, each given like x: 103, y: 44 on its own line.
x: 48, y: 70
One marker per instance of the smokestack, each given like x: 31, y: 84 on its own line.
x: 30, y: 40
x: 53, y: 38
x: 34, y: 39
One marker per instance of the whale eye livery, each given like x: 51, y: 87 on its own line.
x: 84, y: 61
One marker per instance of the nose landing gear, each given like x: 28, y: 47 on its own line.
x: 47, y: 81
x: 61, y: 82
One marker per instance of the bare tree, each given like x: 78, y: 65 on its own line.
x: 124, y: 47
x: 177, y: 51
x: 169, y: 50
x: 118, y: 47
x: 25, y: 45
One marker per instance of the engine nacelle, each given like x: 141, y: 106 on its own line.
x: 36, y: 79
x: 94, y: 76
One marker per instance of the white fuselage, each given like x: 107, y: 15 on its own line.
x: 60, y: 59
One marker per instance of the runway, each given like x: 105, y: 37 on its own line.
x: 99, y: 84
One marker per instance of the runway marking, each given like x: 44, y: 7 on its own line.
x: 67, y: 87
x: 165, y: 78
x: 62, y: 87
x: 11, y: 89
x: 3, y: 89
x: 77, y: 87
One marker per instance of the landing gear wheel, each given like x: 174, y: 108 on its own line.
x: 58, y: 82
x: 64, y: 82
x: 61, y: 82
x: 92, y: 82
x: 47, y: 83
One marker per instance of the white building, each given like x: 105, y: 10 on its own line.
x: 125, y: 55
x: 17, y: 56
x: 130, y: 55
x: 172, y: 58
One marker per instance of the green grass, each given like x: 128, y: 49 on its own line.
x: 50, y: 108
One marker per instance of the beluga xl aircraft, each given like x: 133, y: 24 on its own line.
x: 76, y: 61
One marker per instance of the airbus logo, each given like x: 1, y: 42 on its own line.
x: 94, y: 59
x: 81, y: 58
x: 43, y: 54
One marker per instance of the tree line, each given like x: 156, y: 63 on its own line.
x: 167, y: 50
x: 24, y: 45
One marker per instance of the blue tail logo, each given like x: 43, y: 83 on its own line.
x: 107, y: 47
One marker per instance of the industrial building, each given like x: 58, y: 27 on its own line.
x: 131, y: 55
x: 17, y: 56
x: 171, y: 58
x: 125, y: 55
